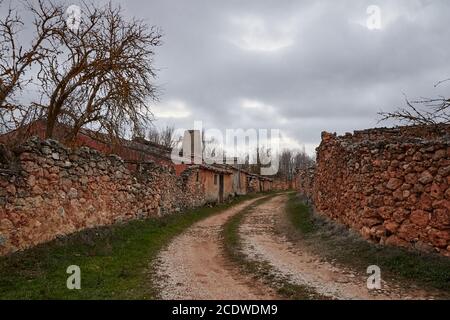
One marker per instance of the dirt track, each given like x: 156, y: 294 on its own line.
x: 263, y: 242
x: 193, y: 266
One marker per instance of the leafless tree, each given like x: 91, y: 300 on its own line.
x: 290, y: 161
x: 101, y: 75
x: 286, y: 164
x: 302, y: 160
x: 17, y: 59
x: 424, y: 111
x: 164, y: 136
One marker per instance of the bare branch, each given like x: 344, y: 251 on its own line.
x: 425, y: 111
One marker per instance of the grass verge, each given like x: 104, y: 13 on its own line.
x: 233, y: 248
x: 335, y: 242
x: 114, y: 260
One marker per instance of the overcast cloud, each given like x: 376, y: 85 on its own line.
x: 300, y: 66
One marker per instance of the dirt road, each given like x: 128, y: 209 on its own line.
x: 193, y: 266
x: 264, y: 243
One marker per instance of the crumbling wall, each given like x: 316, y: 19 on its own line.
x: 392, y: 185
x: 48, y: 190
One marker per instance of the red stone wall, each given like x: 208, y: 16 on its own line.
x: 392, y: 185
x: 47, y: 190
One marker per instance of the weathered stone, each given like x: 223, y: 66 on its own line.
x: 396, y: 241
x: 11, y: 189
x: 391, y: 226
x: 439, y: 238
x: 423, y: 247
x: 3, y: 240
x: 425, y: 202
x: 439, y: 154
x: 411, y: 178
x: 440, y: 218
x: 400, y: 215
x: 73, y: 193
x: 417, y: 156
x: 378, y: 232
x: 408, y: 231
x: 426, y: 177
x: 61, y: 212
x: 436, y: 191
x: 370, y: 222
x: 394, y: 184
x: 31, y: 181
x: 441, y: 204
x: 84, y: 180
x: 46, y: 150
x: 444, y: 172
x: 37, y: 190
x: 420, y: 218
x: 398, y: 194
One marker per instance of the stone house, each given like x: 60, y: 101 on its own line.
x: 217, y: 182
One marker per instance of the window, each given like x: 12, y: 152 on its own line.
x: 215, y: 179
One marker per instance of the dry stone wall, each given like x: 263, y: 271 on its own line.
x: 392, y: 185
x: 48, y: 190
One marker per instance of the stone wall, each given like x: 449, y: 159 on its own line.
x: 282, y: 184
x: 392, y: 185
x: 48, y: 190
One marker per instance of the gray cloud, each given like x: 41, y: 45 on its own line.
x: 306, y: 66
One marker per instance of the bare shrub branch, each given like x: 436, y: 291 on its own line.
x: 424, y: 111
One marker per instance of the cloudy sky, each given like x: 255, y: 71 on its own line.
x: 300, y: 66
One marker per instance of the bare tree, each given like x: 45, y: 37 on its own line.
x: 100, y: 75
x: 16, y: 59
x: 164, y: 137
x: 424, y: 111
x: 302, y: 160
x: 286, y: 164
x: 167, y: 137
x: 290, y: 161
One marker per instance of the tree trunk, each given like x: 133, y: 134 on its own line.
x: 49, y: 130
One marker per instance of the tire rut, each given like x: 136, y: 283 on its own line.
x: 261, y: 242
x: 193, y: 265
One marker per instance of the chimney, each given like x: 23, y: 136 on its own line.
x: 192, y: 146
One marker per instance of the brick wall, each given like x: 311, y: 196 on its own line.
x: 392, y: 185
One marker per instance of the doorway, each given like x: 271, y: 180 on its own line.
x: 221, y: 188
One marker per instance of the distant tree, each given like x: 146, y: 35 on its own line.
x: 302, y: 160
x: 423, y: 111
x: 286, y: 164
x: 290, y: 161
x: 164, y: 136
